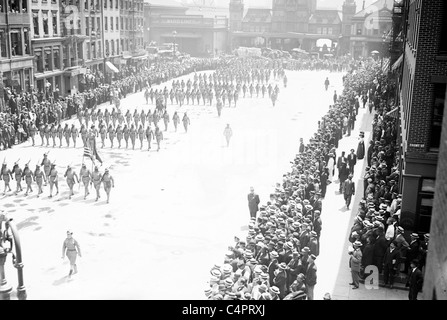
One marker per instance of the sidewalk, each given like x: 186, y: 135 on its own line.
x: 334, y: 274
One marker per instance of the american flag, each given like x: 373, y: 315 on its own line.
x: 88, y: 153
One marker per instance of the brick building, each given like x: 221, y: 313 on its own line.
x: 423, y: 86
x: 16, y: 60
x: 132, y: 30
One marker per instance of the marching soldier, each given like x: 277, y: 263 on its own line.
x: 83, y: 133
x: 74, y: 134
x: 70, y: 175
x: 149, y: 134
x: 66, y: 133
x: 53, y: 133
x: 18, y: 176
x: 100, y: 115
x: 136, y: 117
x: 28, y: 176
x: 228, y: 133
x: 166, y: 119
x: 128, y: 117
x: 120, y: 118
x: 158, y: 137
x: 176, y: 120
x: 114, y: 117
x: 96, y: 179
x: 107, y: 117
x: 87, y: 117
x: 47, y: 133
x: 86, y: 177
x: 42, y: 133
x: 103, y: 133
x: 133, y: 135
x: 39, y: 176
x: 32, y: 131
x: 186, y: 122
x: 126, y: 135
x: 108, y: 183
x: 141, y: 135
x: 53, y: 180
x: 143, y: 118
x: 111, y: 133
x: 6, y: 175
x: 60, y: 134
x: 79, y: 115
x: 119, y: 135
x: 46, y: 163
x: 94, y: 117
x: 219, y: 107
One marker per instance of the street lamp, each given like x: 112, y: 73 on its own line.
x: 174, y: 34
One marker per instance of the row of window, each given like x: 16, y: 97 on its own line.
x: 112, y: 4
x: 112, y: 24
x: 41, y: 22
x: 13, y: 6
x: 47, y: 58
x: 18, y: 38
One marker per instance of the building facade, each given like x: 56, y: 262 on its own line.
x: 132, y: 30
x: 16, y: 59
x: 195, y: 34
x: 371, y: 28
x: 46, y: 45
x: 348, y: 11
x: 422, y: 96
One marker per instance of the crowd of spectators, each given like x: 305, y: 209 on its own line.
x: 277, y: 259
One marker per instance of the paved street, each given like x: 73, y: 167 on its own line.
x: 173, y: 213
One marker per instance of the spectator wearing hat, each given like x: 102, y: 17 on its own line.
x: 294, y: 267
x: 390, y: 264
x: 304, y: 235
x: 413, y: 250
x: 341, y: 160
x: 391, y: 229
x: 274, y: 293
x: 367, y: 254
x: 348, y: 190
x: 423, y: 251
x: 280, y: 279
x: 343, y: 173
x: 414, y: 280
x: 298, y: 289
x: 380, y: 247
x: 352, y: 161
x: 311, y: 277
x: 370, y: 152
x: 317, y: 223
x: 273, y: 265
x: 253, y: 202
x: 313, y: 244
x: 355, y: 263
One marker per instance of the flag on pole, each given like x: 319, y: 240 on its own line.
x: 95, y: 152
x: 88, y: 153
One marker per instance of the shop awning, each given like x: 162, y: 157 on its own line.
x: 112, y: 67
x: 398, y: 63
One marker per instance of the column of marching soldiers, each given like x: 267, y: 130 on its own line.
x: 224, y: 84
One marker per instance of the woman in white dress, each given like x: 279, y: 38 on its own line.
x: 330, y: 166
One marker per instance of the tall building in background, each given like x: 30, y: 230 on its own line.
x: 16, y: 59
x: 93, y: 21
x: 348, y: 11
x: 46, y: 45
x: 132, y: 29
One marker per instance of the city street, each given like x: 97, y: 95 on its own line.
x: 172, y: 213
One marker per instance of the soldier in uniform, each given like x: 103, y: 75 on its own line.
x: 94, y: 117
x: 42, y: 133
x: 83, y: 131
x: 39, y: 176
x: 18, y: 176
x: 141, y: 135
x: 143, y: 118
x: 120, y: 118
x: 60, y: 134
x: 74, y: 134
x: 87, y: 117
x: 133, y: 135
x: 136, y: 117
x: 228, y: 133
x: 119, y: 135
x: 66, y: 133
x: 96, y: 179
x: 158, y: 137
x: 166, y: 119
x: 107, y: 117
x: 47, y: 133
x: 149, y: 134
x: 86, y: 177
x: 53, y: 180
x: 114, y: 117
x: 79, y: 114
x: 6, y: 175
x: 46, y: 163
x: 70, y: 175
x: 53, y: 133
x: 111, y: 133
x: 108, y: 183
x: 186, y: 122
x: 219, y: 107
x: 176, y: 120
x: 100, y: 115
x: 28, y: 175
x: 126, y: 135
x: 32, y: 131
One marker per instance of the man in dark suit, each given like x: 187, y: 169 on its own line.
x: 342, y: 159
x: 415, y: 280
x: 352, y: 160
x: 311, y: 277
x: 253, y: 202
x: 380, y: 247
x: 348, y: 190
x: 413, y: 251
x: 390, y: 264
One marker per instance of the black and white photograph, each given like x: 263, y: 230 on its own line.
x: 244, y: 150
